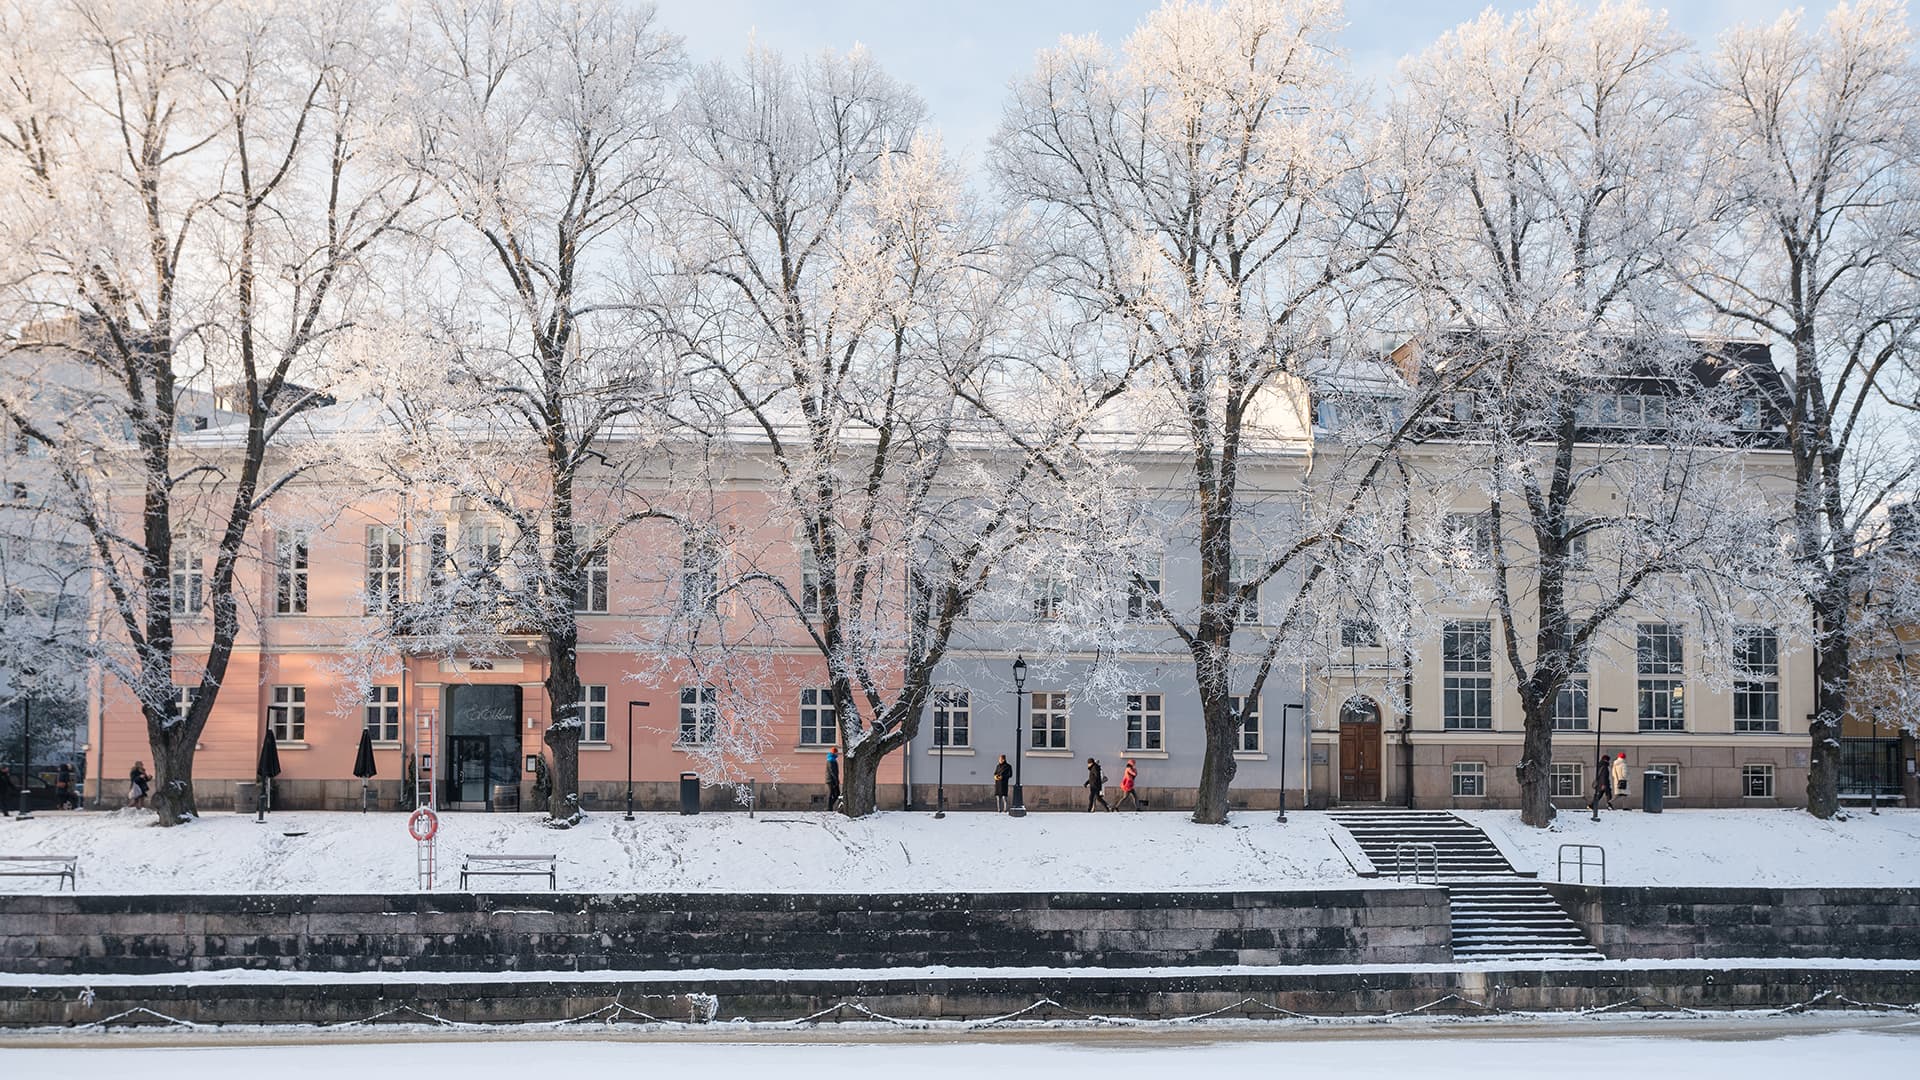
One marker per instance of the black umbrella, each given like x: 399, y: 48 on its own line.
x: 363, y: 766
x: 268, y: 768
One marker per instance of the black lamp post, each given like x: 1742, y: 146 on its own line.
x: 630, y: 708
x: 940, y: 770
x: 1283, y: 753
x: 1019, y: 807
x: 26, y: 754
x: 1599, y: 722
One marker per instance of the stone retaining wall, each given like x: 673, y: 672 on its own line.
x: 1673, y: 922
x: 469, y: 932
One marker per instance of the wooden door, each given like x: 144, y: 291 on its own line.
x: 1360, y: 752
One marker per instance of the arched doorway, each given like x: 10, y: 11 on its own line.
x: 1360, y: 750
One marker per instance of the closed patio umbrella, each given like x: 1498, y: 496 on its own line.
x: 267, y: 769
x: 363, y: 766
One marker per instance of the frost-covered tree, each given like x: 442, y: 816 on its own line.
x: 192, y: 193
x: 1808, y: 167
x: 542, y: 128
x: 1210, y: 201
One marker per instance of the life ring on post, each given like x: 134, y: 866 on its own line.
x: 423, y: 824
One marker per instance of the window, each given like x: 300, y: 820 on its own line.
x: 385, y: 567
x: 1466, y: 664
x: 438, y: 560
x: 1247, y: 740
x: 183, y: 698
x: 699, y: 714
x: 1049, y: 598
x: 1469, y: 779
x: 1570, y: 704
x: 592, y: 599
x: 189, y: 576
x: 1468, y: 538
x: 813, y: 595
x: 1049, y: 720
x: 483, y: 546
x: 1756, y: 781
x: 1359, y: 634
x: 817, y: 723
x: 1577, y: 547
x: 1670, y: 770
x: 289, y: 573
x: 287, y: 715
x: 952, y: 718
x: 1568, y: 780
x: 1247, y: 568
x: 1756, y: 679
x: 593, y: 713
x: 1660, y: 657
x: 699, y: 577
x: 1145, y: 722
x: 1139, y: 588
x: 383, y: 713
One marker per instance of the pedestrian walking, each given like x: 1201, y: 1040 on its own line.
x: 833, y: 779
x: 9, y: 792
x: 1096, y: 780
x: 1002, y: 774
x: 1602, y: 784
x: 1619, y: 778
x: 139, y: 781
x: 63, y: 788
x: 1129, y: 777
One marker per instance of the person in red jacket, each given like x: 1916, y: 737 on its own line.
x: 1128, y: 779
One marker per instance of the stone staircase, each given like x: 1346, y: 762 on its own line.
x: 1496, y: 913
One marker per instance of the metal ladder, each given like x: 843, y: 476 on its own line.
x: 425, y: 790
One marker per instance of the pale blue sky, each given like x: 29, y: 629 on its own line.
x: 960, y: 55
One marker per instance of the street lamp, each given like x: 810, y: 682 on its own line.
x: 940, y: 770
x: 1599, y: 722
x: 1019, y: 807
x: 630, y: 708
x: 1283, y: 754
x: 26, y: 754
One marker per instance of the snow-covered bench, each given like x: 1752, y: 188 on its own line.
x: 64, y: 867
x: 547, y: 866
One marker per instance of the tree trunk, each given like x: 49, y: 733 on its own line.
x: 1217, y: 765
x: 563, y: 803
x: 1830, y: 704
x: 172, y: 775
x: 1536, y: 789
x: 860, y: 777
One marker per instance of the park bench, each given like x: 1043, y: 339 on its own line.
x: 547, y: 866
x: 64, y: 867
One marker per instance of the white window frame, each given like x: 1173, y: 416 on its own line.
x: 1671, y: 770
x: 188, y: 578
x: 953, y: 716
x: 699, y: 716
x: 1055, y: 736
x: 1250, y: 736
x: 1242, y: 569
x: 1660, y: 703
x: 1152, y: 572
x: 1573, y: 702
x: 386, y: 573
x: 817, y: 713
x: 1047, y: 598
x: 699, y: 576
x: 1559, y: 772
x: 183, y: 698
x: 1146, y: 723
x: 383, y: 712
x: 287, y: 713
x: 1359, y: 633
x: 813, y: 596
x: 1761, y: 771
x: 1463, y: 675
x: 593, y: 713
x: 1477, y: 527
x: 292, y: 560
x: 1756, y: 687
x: 595, y: 576
x: 1469, y: 774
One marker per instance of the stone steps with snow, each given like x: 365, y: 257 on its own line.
x: 1493, y: 911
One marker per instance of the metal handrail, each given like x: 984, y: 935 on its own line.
x: 1581, y: 863
x: 1412, y: 851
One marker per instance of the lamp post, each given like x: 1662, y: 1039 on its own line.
x: 1019, y: 807
x: 1283, y: 753
x: 630, y: 707
x: 1599, y: 722
x: 940, y: 770
x: 26, y: 754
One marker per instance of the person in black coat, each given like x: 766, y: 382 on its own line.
x: 9, y: 792
x: 833, y: 779
x: 1096, y: 780
x: 63, y: 788
x: 1002, y: 773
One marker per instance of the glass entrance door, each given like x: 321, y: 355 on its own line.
x: 471, y: 758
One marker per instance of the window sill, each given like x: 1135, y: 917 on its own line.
x: 289, y: 744
x: 815, y: 748
x: 1249, y: 755
x: 1050, y: 753
x: 596, y: 746
x: 386, y: 744
x: 951, y: 751
x: 1153, y: 755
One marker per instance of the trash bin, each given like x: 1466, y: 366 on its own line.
x: 246, y: 795
x: 689, y: 793
x: 1653, y: 791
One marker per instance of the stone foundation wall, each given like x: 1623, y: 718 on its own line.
x: 1650, y: 923
x: 467, y: 932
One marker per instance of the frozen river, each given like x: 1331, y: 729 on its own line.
x: 1751, y: 1051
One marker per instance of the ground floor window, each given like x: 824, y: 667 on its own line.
x: 1145, y: 722
x: 1671, y: 772
x: 1049, y: 720
x: 817, y: 725
x: 699, y: 714
x: 287, y: 715
x: 593, y: 713
x: 1756, y: 781
x: 1568, y: 779
x: 383, y: 712
x: 952, y: 718
x: 1469, y: 779
x: 1248, y: 737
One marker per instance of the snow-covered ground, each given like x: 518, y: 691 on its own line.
x: 1485, y: 1054
x: 1723, y: 847
x: 780, y: 852
x: 896, y: 852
